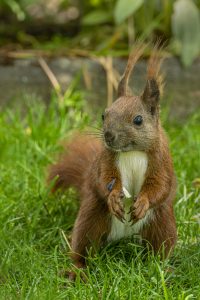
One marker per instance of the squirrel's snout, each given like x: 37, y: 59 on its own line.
x: 110, y: 137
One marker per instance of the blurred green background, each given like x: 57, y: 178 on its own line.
x: 100, y: 26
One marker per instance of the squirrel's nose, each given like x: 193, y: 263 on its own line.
x: 109, y: 136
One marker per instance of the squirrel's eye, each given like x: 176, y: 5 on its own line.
x: 138, y: 120
x: 103, y: 117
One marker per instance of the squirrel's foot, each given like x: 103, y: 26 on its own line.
x: 115, y: 204
x: 73, y: 275
x: 80, y: 268
x: 139, y: 209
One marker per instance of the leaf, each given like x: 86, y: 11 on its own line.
x: 125, y: 8
x: 15, y: 7
x: 186, y: 29
x: 97, y: 17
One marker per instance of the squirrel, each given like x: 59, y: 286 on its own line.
x: 125, y: 179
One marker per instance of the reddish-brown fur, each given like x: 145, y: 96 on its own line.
x: 89, y: 166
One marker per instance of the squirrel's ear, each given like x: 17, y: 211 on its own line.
x: 122, y: 87
x: 154, y: 84
x: 151, y: 95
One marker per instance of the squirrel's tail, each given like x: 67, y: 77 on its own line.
x: 72, y: 165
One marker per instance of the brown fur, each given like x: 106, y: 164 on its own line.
x: 89, y: 165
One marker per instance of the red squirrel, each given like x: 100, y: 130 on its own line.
x: 125, y: 180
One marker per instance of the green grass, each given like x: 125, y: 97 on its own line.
x: 33, y: 247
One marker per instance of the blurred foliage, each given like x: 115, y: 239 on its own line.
x: 107, y: 26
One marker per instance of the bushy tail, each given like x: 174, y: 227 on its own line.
x: 72, y: 165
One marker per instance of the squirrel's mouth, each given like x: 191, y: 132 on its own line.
x: 121, y: 148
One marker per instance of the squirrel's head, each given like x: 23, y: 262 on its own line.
x: 132, y: 122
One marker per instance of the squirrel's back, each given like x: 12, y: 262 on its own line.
x: 78, y: 156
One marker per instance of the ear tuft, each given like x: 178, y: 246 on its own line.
x: 153, y: 89
x: 154, y: 85
x: 123, y: 88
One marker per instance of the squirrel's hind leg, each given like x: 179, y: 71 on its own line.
x: 90, y: 229
x: 161, y: 233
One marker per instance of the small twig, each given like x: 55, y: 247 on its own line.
x: 111, y: 75
x: 116, y: 79
x: 51, y: 77
x: 87, y: 77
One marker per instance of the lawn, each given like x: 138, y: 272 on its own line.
x: 35, y: 225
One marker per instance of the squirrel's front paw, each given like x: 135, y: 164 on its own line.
x: 139, y: 209
x: 115, y: 204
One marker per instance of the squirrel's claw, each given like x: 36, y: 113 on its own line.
x: 115, y: 205
x: 121, y: 219
x: 119, y: 213
x: 139, y: 209
x: 132, y: 219
x: 111, y: 184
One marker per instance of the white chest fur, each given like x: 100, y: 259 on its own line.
x: 132, y: 167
